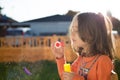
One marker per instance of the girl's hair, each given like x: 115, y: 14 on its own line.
x: 96, y: 30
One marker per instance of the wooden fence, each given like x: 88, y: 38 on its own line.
x: 37, y: 48
x: 31, y: 49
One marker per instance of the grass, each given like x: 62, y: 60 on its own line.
x: 42, y: 70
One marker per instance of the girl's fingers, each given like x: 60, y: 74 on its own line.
x: 52, y: 47
x: 65, y: 75
x: 68, y: 75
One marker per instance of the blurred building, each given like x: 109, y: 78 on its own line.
x: 7, y: 22
x: 4, y: 24
x: 52, y: 25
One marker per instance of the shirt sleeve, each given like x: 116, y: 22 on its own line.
x: 60, y: 66
x: 104, y: 68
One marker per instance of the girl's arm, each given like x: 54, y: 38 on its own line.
x: 60, y: 66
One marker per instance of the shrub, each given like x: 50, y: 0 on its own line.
x: 117, y: 67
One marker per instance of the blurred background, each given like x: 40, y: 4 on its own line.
x: 28, y: 27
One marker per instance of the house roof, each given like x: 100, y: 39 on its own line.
x: 5, y: 19
x: 15, y: 24
x: 53, y: 18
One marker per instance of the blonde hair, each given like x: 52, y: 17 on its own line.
x: 111, y: 38
x: 96, y: 30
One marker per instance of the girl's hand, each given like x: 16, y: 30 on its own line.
x: 68, y: 75
x: 58, y: 52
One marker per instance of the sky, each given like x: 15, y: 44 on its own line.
x: 24, y: 10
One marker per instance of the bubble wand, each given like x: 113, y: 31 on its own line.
x: 67, y: 67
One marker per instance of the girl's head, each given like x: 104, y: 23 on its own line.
x: 92, y: 32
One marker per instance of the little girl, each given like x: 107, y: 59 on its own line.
x: 91, y: 39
